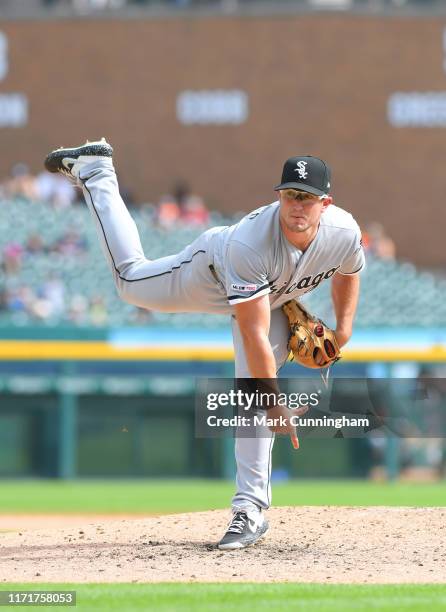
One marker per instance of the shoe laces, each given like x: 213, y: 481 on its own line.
x: 238, y: 522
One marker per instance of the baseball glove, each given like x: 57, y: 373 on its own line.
x: 312, y: 343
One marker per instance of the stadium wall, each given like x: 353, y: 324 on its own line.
x: 105, y: 418
x: 97, y: 435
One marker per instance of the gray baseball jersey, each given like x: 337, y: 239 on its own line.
x: 223, y: 267
x: 254, y: 258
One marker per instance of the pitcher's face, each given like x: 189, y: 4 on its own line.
x: 300, y: 210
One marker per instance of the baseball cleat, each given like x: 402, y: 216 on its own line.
x: 70, y: 161
x: 243, y: 531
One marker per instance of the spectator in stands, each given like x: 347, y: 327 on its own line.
x: 84, y: 7
x: 192, y: 207
x: 53, y: 293
x: 98, y: 314
x: 34, y: 245
x: 194, y: 211
x: 71, y: 243
x: 181, y: 191
x: 3, y: 300
x: 77, y: 311
x: 20, y: 299
x: 21, y: 183
x: 55, y: 189
x: 90, y: 6
x: 40, y: 309
x: 141, y: 316
x: 168, y: 212
x: 378, y: 243
x: 12, y: 258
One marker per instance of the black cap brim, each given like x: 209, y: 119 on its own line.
x: 300, y: 187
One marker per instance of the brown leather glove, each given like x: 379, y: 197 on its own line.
x: 312, y: 343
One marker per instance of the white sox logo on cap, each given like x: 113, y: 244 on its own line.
x: 313, y: 175
x: 301, y: 169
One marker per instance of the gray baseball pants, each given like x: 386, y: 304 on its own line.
x: 180, y: 283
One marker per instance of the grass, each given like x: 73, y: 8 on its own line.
x: 247, y: 597
x: 164, y: 496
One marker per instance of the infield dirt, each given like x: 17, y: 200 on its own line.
x: 329, y: 544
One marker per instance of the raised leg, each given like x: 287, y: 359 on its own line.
x: 162, y: 284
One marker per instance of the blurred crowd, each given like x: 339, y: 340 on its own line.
x: 87, y: 6
x: 48, y: 300
x: 377, y: 242
x: 70, y: 243
x: 45, y: 187
x: 181, y: 206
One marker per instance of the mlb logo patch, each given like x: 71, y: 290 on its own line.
x: 243, y: 288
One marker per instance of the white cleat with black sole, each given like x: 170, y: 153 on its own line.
x: 243, y: 530
x: 69, y: 161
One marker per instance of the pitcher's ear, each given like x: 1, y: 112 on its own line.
x: 326, y: 201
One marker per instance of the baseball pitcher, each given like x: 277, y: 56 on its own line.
x: 254, y: 271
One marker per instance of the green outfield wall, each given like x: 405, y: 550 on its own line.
x: 75, y: 423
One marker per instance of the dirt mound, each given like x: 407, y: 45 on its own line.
x: 305, y: 544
